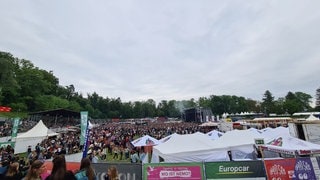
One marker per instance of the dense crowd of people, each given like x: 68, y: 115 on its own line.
x: 106, y: 139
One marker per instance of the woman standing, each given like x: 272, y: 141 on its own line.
x: 59, y: 170
x: 36, y: 169
x: 86, y: 170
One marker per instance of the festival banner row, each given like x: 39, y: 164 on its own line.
x: 277, y: 169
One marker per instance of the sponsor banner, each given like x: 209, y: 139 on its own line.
x: 282, y: 169
x: 316, y: 166
x: 173, y: 171
x: 127, y: 171
x: 235, y: 170
x: 5, y: 144
x: 15, y: 126
x: 84, y: 126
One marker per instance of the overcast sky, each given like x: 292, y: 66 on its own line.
x: 169, y: 50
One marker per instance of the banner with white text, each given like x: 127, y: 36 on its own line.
x: 173, y: 171
x: 235, y: 170
x: 84, y: 124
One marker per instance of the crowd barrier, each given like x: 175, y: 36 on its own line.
x: 302, y: 168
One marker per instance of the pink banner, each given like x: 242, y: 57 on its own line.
x: 174, y: 172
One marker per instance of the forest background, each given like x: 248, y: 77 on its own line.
x: 27, y: 88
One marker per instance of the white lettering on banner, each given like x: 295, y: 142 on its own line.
x: 233, y: 169
x: 302, y: 166
x: 277, y: 170
x: 167, y: 174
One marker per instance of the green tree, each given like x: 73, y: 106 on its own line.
x: 8, y: 83
x: 268, y: 104
x: 304, y: 100
x: 317, y: 107
x: 297, y: 102
x: 280, y: 106
x: 149, y: 108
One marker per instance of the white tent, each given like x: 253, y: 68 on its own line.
x: 312, y: 118
x: 214, y: 134
x: 32, y: 137
x: 254, y: 130
x: 197, y: 147
x: 240, y: 143
x: 166, y: 138
x: 145, y: 141
x: 291, y: 145
x: 271, y: 133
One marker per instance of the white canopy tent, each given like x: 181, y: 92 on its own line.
x: 32, y: 137
x: 312, y: 118
x: 214, y: 134
x: 240, y: 143
x: 167, y: 138
x: 271, y: 133
x: 291, y: 145
x: 145, y: 141
x: 197, y: 147
x: 254, y: 130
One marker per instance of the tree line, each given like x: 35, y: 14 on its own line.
x: 26, y: 88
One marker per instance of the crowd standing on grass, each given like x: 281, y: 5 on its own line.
x: 112, y: 140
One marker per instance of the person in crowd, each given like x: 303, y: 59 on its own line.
x: 127, y: 153
x: 59, y: 170
x: 121, y: 152
x: 29, y: 150
x: 13, y: 172
x: 115, y: 152
x: 112, y: 174
x: 86, y: 170
x: 95, y: 157
x: 134, y: 157
x: 32, y: 156
x: 36, y: 169
x: 3, y: 167
x: 142, y: 154
x: 38, y: 150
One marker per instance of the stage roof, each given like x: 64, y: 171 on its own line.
x: 58, y: 112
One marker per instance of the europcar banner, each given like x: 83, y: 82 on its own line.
x: 292, y: 168
x: 173, y: 171
x: 235, y: 170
